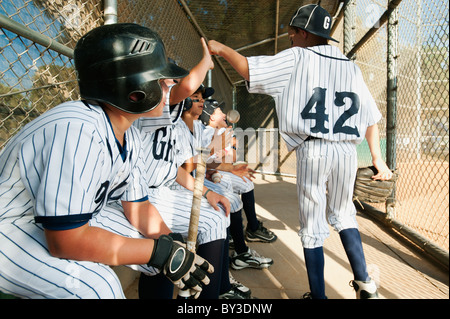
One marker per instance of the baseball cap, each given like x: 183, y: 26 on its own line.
x: 208, y: 109
x: 313, y: 19
x: 206, y: 91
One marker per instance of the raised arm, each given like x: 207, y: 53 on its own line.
x: 237, y: 60
x: 189, y: 84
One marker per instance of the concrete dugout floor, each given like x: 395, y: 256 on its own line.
x: 401, y: 270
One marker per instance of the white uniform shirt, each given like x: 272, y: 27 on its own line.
x: 65, y: 165
x: 317, y: 92
x: 189, y: 141
x: 162, y: 148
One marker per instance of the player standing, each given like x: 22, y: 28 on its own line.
x: 324, y: 109
x: 62, y: 169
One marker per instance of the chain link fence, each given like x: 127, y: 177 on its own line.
x: 412, y: 50
x: 404, y: 59
x: 418, y: 71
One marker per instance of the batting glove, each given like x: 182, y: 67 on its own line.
x: 185, y: 269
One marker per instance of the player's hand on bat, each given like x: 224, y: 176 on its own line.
x: 215, y: 200
x: 185, y: 269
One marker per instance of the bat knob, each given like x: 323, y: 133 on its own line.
x: 216, y: 177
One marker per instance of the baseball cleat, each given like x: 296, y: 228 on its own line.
x: 237, y: 291
x: 365, y: 289
x: 250, y: 259
x: 261, y: 234
x: 241, y: 289
x: 308, y: 295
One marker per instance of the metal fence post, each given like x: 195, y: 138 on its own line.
x: 349, y: 26
x: 391, y: 112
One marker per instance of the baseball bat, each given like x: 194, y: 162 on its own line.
x: 191, y: 241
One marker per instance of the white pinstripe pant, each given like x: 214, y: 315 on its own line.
x: 325, y: 177
x: 174, y: 206
x: 239, y: 185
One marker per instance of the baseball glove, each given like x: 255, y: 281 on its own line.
x: 372, y: 191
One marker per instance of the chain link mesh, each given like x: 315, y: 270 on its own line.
x: 34, y: 78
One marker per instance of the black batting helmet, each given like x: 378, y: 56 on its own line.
x: 208, y: 109
x: 121, y: 64
x: 206, y: 93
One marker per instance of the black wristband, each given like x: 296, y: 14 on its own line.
x: 177, y: 237
x: 161, y: 251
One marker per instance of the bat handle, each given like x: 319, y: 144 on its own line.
x: 190, y: 245
x: 195, y: 212
x: 197, y: 199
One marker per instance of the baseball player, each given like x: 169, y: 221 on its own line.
x: 189, y: 132
x: 239, y: 176
x: 61, y: 170
x: 324, y: 109
x: 163, y: 157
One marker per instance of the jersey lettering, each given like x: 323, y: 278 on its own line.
x: 163, y: 153
x: 156, y: 141
x: 320, y: 116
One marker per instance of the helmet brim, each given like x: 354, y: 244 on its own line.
x: 172, y: 71
x: 208, y: 92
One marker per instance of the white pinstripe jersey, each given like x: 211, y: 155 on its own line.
x: 65, y: 165
x: 317, y: 92
x: 190, y: 141
x: 161, y: 147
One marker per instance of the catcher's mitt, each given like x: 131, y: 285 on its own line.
x: 369, y: 190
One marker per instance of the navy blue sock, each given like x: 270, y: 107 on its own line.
x: 155, y: 287
x: 351, y: 240
x: 248, y: 201
x: 225, y: 279
x: 237, y: 232
x: 213, y: 253
x: 315, y: 263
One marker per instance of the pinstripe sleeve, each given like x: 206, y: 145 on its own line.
x: 63, y: 177
x: 368, y: 102
x: 270, y: 74
x: 185, y: 143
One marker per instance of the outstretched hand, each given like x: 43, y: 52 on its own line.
x: 206, y: 53
x: 214, y: 47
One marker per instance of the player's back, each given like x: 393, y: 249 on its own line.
x: 317, y: 92
x: 335, y: 102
